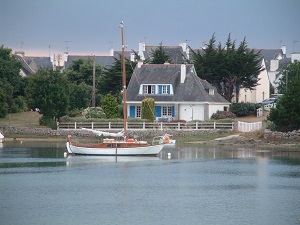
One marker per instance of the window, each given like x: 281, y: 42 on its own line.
x: 148, y: 89
x: 167, y: 111
x: 138, y: 111
x: 211, y: 91
x: 165, y: 89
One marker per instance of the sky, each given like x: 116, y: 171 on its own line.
x: 40, y: 27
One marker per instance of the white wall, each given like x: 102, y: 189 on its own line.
x: 191, y: 112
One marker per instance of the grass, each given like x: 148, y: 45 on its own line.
x: 23, y: 119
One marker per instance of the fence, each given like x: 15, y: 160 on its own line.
x: 248, y: 127
x: 144, y: 125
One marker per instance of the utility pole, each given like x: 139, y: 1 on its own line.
x: 94, y: 84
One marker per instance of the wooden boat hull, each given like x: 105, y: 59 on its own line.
x: 150, y: 150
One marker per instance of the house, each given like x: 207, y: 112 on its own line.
x: 177, y: 54
x: 178, y: 92
x: 260, y: 92
x: 106, y: 61
x: 31, y: 64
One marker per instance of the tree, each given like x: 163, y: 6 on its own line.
x: 10, y: 77
x: 111, y: 81
x: 159, y: 56
x: 81, y: 72
x: 110, y: 106
x: 228, y: 68
x: 286, y: 115
x: 3, y: 109
x: 48, y: 90
x: 148, y: 106
x: 289, y: 72
x: 80, y: 96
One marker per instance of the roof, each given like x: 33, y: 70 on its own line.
x: 193, y: 89
x: 105, y: 61
x: 269, y: 54
x: 176, y: 54
x: 33, y: 64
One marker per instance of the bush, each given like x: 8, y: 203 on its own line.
x: 243, y: 109
x: 223, y: 115
x: 19, y: 105
x: 49, y: 122
x: 96, y: 112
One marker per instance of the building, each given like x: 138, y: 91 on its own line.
x: 178, y: 92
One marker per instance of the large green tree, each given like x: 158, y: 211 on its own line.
x: 111, y: 81
x: 286, y: 115
x: 228, y: 68
x: 10, y: 78
x: 48, y: 91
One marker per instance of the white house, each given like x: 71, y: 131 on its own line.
x: 178, y: 92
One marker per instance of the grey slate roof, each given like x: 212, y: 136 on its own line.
x: 105, y: 61
x: 269, y: 54
x: 174, y: 52
x: 33, y: 64
x: 193, y: 89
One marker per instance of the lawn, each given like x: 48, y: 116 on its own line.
x: 23, y: 119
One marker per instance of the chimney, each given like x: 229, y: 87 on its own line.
x: 274, y: 64
x: 283, y: 49
x: 142, y: 48
x: 140, y: 63
x: 182, y: 73
x: 111, y: 52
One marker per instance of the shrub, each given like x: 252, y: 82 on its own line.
x: 49, y: 122
x: 96, y: 112
x: 243, y: 109
x: 223, y: 115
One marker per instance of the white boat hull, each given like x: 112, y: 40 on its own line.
x: 138, y: 151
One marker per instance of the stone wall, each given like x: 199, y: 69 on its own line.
x: 131, y: 133
x: 282, y: 135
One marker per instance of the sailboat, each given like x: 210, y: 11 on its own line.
x: 118, y: 144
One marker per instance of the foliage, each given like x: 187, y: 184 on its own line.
x: 159, y: 56
x: 19, y: 105
x: 243, y: 109
x: 80, y: 96
x: 92, y: 112
x: 111, y: 81
x: 81, y: 73
x: 47, y: 121
x: 228, y: 68
x: 223, y: 115
x: 10, y: 77
x: 3, y: 109
x: 110, y: 106
x: 48, y: 90
x: 289, y: 72
x: 148, y: 109
x: 286, y: 115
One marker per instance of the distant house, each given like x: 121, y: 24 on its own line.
x: 178, y: 92
x: 177, y: 54
x: 32, y: 64
x: 106, y: 61
x: 260, y: 92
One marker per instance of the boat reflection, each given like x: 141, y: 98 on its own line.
x: 84, y: 160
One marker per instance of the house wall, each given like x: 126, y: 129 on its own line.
x: 214, y: 108
x: 191, y: 112
x: 261, y: 91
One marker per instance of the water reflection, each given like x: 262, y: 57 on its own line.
x: 221, y: 152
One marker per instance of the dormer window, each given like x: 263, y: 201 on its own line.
x: 148, y: 89
x: 211, y: 91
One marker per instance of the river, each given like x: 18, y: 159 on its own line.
x: 189, y: 184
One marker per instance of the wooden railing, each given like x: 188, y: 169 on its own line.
x: 144, y: 125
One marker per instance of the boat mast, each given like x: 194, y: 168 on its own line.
x: 124, y: 81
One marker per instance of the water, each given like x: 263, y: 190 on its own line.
x: 197, y: 185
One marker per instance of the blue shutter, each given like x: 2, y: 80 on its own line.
x: 173, y: 111
x: 157, y: 111
x: 132, y: 111
x: 168, y: 89
x: 159, y: 89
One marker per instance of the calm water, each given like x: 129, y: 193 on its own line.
x: 197, y: 185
